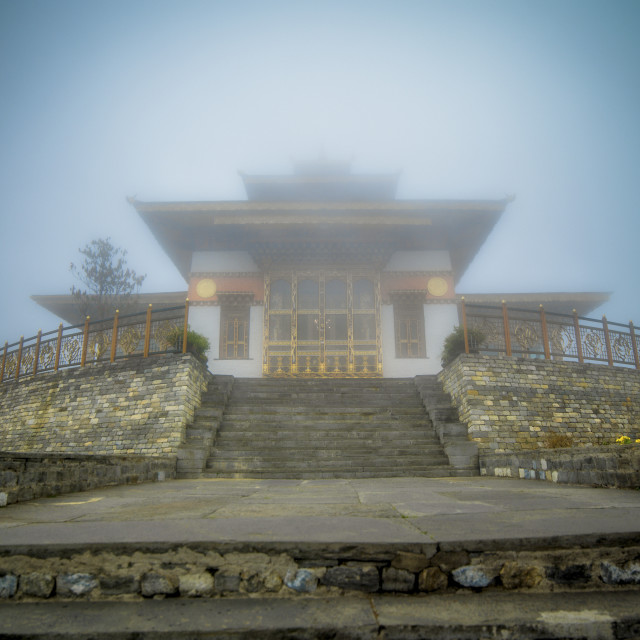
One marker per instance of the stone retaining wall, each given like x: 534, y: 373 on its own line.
x: 218, y: 572
x: 515, y: 404
x: 138, y: 407
x: 28, y: 476
x: 612, y: 466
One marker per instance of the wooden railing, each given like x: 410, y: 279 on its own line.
x: 540, y: 334
x: 135, y: 335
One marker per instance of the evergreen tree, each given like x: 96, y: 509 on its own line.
x: 110, y: 283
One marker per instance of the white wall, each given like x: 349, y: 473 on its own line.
x: 439, y: 320
x: 419, y: 261
x: 206, y: 320
x: 222, y: 261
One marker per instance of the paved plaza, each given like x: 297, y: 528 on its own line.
x: 363, y: 511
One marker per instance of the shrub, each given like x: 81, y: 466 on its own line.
x: 197, y: 344
x: 454, y: 344
x: 558, y: 441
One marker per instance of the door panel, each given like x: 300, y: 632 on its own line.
x: 322, y: 323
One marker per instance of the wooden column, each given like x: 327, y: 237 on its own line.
x: 58, y: 347
x: 607, y: 340
x: 186, y: 326
x: 37, y: 353
x: 147, y: 333
x: 4, y: 360
x: 85, y: 341
x: 19, y: 362
x: 114, y: 335
x: 545, y: 334
x: 465, y: 330
x: 576, y: 328
x: 505, y: 321
x: 634, y: 345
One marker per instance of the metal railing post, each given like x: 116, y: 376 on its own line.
x: 576, y: 328
x: 634, y: 345
x: 19, y: 362
x: 37, y: 353
x: 85, y: 341
x: 505, y: 321
x: 465, y: 329
x: 4, y: 360
x: 607, y: 340
x: 147, y: 333
x: 186, y: 326
x: 114, y: 335
x: 545, y: 334
x: 58, y: 347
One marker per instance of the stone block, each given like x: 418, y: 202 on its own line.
x: 195, y: 585
x: 8, y: 585
x: 414, y: 562
x: 75, y: 584
x: 398, y: 580
x: 39, y: 585
x: 473, y: 576
x: 361, y: 578
x: 432, y: 579
x: 155, y: 583
x: 570, y: 575
x: 119, y: 584
x: 517, y: 576
x: 449, y: 560
x: 227, y: 581
x: 613, y: 574
x: 303, y: 581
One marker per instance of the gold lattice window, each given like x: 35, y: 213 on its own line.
x: 409, y: 330
x: 234, y: 333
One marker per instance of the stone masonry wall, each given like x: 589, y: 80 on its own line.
x: 132, y: 407
x: 515, y: 404
x: 34, y: 475
x: 612, y: 466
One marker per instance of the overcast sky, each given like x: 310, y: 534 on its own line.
x: 167, y: 100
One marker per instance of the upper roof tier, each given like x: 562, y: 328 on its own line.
x: 321, y: 180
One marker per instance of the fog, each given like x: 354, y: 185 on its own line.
x: 168, y: 100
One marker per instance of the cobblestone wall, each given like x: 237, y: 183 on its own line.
x: 514, y: 404
x: 612, y: 466
x: 35, y: 475
x: 134, y: 407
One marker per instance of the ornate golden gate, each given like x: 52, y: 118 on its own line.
x: 322, y: 323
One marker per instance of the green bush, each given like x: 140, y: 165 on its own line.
x: 454, y: 344
x: 197, y: 344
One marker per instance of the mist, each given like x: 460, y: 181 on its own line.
x: 167, y: 101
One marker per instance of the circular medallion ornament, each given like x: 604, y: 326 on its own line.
x: 206, y: 288
x: 437, y: 286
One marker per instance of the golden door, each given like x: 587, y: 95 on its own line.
x: 322, y: 323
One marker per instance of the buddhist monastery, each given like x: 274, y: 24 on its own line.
x: 325, y: 272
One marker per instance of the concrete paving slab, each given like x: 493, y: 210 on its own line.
x: 394, y: 511
x: 584, y: 616
x: 202, y: 618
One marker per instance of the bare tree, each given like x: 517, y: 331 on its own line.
x: 110, y: 283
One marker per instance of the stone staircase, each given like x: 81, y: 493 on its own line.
x: 326, y: 428
x: 201, y: 434
x: 453, y: 434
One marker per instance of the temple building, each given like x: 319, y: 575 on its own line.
x: 325, y: 272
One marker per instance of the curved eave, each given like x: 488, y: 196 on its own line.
x: 458, y: 225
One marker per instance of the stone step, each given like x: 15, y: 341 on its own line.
x: 276, y: 428
x: 294, y: 422
x: 390, y: 472
x: 324, y: 410
x: 350, y: 443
